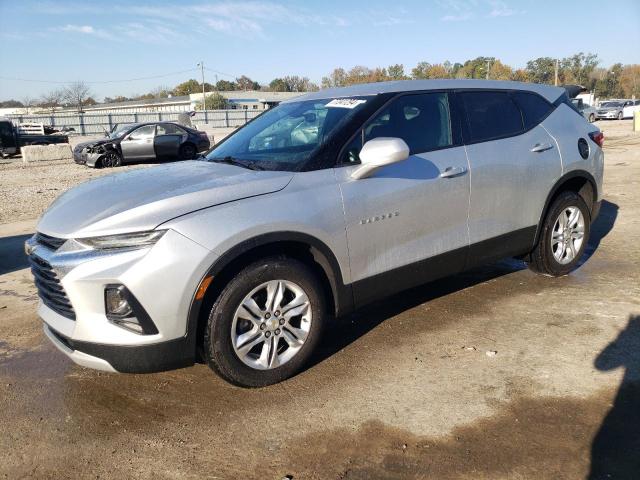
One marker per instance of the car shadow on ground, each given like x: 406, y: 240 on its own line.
x: 601, y: 228
x: 615, y: 452
x: 347, y: 330
x: 12, y: 256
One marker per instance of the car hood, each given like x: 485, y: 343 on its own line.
x: 93, y: 143
x: 143, y: 199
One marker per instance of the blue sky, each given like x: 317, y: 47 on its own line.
x: 62, y: 41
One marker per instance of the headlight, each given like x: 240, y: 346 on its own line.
x: 125, y: 240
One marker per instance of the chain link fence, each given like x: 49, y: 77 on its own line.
x: 98, y: 123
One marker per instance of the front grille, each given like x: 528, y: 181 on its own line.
x: 49, y: 288
x: 52, y: 243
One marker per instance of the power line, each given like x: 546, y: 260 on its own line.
x: 98, y: 81
x: 221, y: 73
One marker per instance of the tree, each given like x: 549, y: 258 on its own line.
x: 226, y: 86
x: 11, y: 104
x: 337, y: 78
x: 187, y: 88
x: 213, y: 101
x: 541, y: 70
x: 425, y: 70
x: 577, y: 69
x: 630, y: 80
x: 245, y: 83
x: 161, y: 91
x: 278, y: 85
x: 76, y: 94
x: 500, y: 71
x: 29, y: 102
x: 520, y: 75
x: 476, y: 68
x: 396, y: 72
x: 52, y: 100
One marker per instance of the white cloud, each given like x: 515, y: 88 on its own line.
x: 84, y: 29
x: 500, y: 9
x: 461, y: 10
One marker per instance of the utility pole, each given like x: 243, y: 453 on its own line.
x: 488, y: 68
x: 556, y: 74
x: 201, y: 65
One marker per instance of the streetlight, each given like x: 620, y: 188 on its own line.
x: 201, y: 65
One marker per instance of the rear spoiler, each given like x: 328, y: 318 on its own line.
x: 574, y: 90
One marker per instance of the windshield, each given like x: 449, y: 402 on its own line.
x: 287, y: 136
x: 120, y: 130
x: 611, y: 104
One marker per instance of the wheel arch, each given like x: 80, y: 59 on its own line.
x: 300, y: 246
x: 578, y: 181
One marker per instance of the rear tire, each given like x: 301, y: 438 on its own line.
x: 188, y: 152
x: 239, y: 342
x: 564, y: 235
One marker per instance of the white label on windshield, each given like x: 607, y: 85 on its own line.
x: 345, y: 103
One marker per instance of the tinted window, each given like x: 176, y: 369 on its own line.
x: 534, y: 108
x: 491, y: 115
x: 422, y: 121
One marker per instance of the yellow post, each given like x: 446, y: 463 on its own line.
x: 636, y: 121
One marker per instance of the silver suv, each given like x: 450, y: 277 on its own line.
x: 327, y: 202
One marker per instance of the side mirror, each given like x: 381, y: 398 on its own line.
x: 380, y: 152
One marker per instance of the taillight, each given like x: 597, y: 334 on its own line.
x: 598, y: 138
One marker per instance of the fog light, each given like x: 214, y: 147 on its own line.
x: 116, y: 302
x: 124, y: 310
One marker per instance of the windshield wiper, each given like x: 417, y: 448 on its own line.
x: 239, y: 163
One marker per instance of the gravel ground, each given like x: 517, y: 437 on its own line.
x: 27, y: 189
x: 497, y: 373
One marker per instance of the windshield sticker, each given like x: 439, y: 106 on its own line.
x: 345, y: 103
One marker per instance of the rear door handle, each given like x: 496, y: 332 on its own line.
x: 541, y: 147
x: 451, y: 172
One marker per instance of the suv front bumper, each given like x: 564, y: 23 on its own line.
x: 163, y: 278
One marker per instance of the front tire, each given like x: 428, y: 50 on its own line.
x: 266, y: 323
x: 563, y: 237
x: 111, y: 160
x: 592, y: 118
x: 620, y: 116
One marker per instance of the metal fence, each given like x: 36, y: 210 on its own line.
x: 93, y: 123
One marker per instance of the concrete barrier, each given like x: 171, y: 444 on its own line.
x: 39, y: 153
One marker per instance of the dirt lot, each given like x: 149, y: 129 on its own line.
x: 409, y: 388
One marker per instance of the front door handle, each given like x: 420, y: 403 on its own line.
x: 541, y: 147
x: 451, y: 172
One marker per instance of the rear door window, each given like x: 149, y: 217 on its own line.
x: 535, y: 108
x: 491, y: 115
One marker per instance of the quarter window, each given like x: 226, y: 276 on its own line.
x: 423, y: 121
x: 491, y: 115
x: 534, y: 108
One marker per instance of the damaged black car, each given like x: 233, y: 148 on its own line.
x: 138, y: 142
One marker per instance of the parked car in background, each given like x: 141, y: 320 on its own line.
x: 586, y: 110
x: 135, y: 142
x: 630, y: 108
x: 12, y: 138
x: 612, y: 110
x: 322, y: 204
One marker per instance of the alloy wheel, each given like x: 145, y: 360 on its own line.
x: 271, y: 324
x: 568, y: 235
